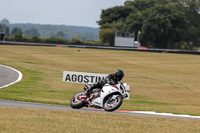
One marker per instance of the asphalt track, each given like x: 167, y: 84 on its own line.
x: 7, y: 103
x: 9, y: 76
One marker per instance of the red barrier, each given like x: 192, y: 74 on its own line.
x: 142, y: 48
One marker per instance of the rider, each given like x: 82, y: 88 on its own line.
x: 111, y: 79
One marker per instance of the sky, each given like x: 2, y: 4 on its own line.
x: 65, y: 12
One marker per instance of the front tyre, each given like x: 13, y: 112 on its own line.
x: 75, y: 103
x: 112, y: 102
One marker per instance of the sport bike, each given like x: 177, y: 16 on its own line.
x: 110, y: 97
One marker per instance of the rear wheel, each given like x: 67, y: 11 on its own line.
x: 112, y: 102
x: 75, y: 102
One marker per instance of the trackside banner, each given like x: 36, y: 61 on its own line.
x: 80, y: 77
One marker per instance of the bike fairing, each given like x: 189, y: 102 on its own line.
x: 109, y: 97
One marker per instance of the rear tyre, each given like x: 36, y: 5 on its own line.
x: 112, y: 102
x: 76, y: 103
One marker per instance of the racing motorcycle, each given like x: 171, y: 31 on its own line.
x: 110, y: 97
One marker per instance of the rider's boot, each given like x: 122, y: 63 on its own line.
x: 87, y: 93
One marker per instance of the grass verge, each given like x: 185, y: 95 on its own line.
x: 23, y: 120
x: 159, y: 82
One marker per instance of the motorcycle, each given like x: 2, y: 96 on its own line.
x: 110, y: 97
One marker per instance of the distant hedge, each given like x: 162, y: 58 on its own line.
x: 57, y: 40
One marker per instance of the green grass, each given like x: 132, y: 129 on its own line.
x: 159, y: 81
x: 23, y: 120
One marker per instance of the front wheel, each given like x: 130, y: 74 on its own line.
x: 75, y: 103
x: 112, y: 102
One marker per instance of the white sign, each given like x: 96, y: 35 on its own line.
x: 128, y: 90
x: 80, y: 77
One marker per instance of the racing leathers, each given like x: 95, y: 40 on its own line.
x: 110, y: 79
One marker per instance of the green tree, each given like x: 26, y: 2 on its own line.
x: 142, y: 5
x: 134, y: 23
x: 76, y: 40
x: 60, y: 34
x: 36, y: 39
x: 163, y: 24
x: 107, y: 36
x: 16, y: 30
x: 191, y: 10
x: 114, y: 15
x: 32, y: 32
x: 163, y: 28
x: 18, y: 37
x: 5, y: 29
x: 26, y: 38
x: 112, y: 19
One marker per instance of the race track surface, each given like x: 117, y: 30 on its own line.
x: 7, y: 103
x: 9, y: 76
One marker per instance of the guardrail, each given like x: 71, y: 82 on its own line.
x: 102, y: 47
x: 26, y: 43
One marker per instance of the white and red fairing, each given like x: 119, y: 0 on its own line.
x: 107, y: 90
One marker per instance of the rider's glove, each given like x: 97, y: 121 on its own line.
x: 88, y: 85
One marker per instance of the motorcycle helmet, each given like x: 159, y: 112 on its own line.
x: 119, y: 74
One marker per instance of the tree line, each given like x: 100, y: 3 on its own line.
x: 33, y: 35
x: 49, y: 33
x: 64, y: 31
x: 159, y: 23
